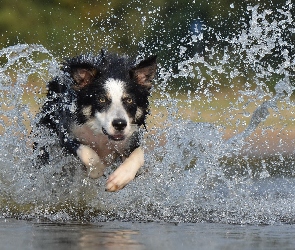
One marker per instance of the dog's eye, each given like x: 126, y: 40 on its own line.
x: 129, y: 100
x: 102, y: 99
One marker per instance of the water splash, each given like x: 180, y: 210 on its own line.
x: 192, y: 172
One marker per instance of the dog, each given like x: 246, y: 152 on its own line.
x: 96, y: 107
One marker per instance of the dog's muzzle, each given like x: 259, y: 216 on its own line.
x: 119, y: 126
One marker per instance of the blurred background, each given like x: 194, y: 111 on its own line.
x: 67, y: 28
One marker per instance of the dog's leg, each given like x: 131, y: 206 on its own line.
x: 126, y: 171
x: 95, y: 167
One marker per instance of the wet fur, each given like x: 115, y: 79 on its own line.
x: 95, y: 107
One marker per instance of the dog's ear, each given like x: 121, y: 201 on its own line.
x: 82, y: 77
x: 145, y: 71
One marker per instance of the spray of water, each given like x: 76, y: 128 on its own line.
x: 187, y: 176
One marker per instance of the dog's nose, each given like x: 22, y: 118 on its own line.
x: 119, y: 124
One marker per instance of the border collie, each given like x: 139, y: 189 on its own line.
x: 96, y: 106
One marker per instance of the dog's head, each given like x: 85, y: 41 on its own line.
x: 112, y: 92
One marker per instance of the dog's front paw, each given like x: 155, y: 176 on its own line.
x: 95, y: 167
x: 120, y: 178
x: 126, y: 172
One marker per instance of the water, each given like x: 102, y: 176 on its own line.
x: 205, y: 161
x: 152, y: 235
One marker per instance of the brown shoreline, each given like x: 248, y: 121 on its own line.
x: 268, y: 143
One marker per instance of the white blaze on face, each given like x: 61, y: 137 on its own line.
x: 115, y: 92
x: 115, y: 89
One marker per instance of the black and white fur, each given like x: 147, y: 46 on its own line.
x: 96, y: 107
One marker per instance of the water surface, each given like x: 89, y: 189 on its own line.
x: 29, y: 235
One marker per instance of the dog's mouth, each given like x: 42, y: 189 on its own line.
x: 116, y: 137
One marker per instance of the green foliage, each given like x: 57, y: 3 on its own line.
x: 161, y: 27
